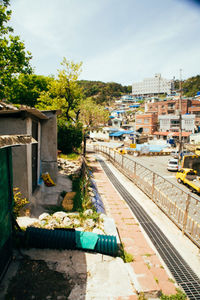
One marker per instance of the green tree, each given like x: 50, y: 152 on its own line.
x: 191, y: 86
x: 92, y: 114
x: 64, y: 93
x: 13, y: 57
x: 26, y: 89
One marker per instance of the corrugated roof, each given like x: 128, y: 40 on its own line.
x: 166, y: 133
x: 16, y: 140
x: 9, y: 110
x: 120, y: 133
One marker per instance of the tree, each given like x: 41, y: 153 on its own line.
x: 26, y: 89
x: 13, y: 57
x: 92, y: 114
x: 64, y: 92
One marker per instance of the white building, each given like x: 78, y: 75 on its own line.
x: 195, y: 138
x: 153, y: 86
x: 171, y: 123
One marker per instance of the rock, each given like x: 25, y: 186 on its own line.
x: 76, y: 222
x: 67, y: 221
x: 26, y: 221
x: 91, y: 193
x: 102, y: 216
x: 42, y: 223
x: 89, y: 223
x: 60, y: 215
x: 44, y: 216
x: 53, y: 223
x: 88, y: 212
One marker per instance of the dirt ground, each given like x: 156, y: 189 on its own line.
x: 34, y: 280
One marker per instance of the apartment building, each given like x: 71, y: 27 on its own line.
x: 168, y: 107
x: 171, y: 123
x: 153, y: 86
x: 148, y: 122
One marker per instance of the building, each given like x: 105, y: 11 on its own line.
x: 147, y: 122
x: 195, y: 110
x: 7, y: 144
x: 153, y: 86
x: 171, y: 123
x: 168, y: 107
x: 30, y: 161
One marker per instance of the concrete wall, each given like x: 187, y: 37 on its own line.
x: 49, y: 145
x: 20, y: 154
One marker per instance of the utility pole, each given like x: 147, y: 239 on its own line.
x: 180, y: 115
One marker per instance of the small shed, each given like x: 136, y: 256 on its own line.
x: 30, y: 161
x: 6, y: 195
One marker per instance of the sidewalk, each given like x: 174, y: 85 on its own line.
x: 148, y: 272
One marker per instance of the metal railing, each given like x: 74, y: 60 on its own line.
x: 182, y: 207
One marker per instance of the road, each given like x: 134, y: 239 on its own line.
x: 159, y: 165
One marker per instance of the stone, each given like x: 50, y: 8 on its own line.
x: 60, y: 215
x: 76, y: 222
x: 26, y: 221
x: 44, y: 216
x: 102, y: 216
x: 89, y: 223
x: 67, y: 221
x: 88, y: 212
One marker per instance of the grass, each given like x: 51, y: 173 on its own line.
x: 70, y: 156
x: 127, y: 257
x: 178, y: 296
x: 148, y: 254
x: 156, y: 280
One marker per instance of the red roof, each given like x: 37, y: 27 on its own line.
x: 166, y: 133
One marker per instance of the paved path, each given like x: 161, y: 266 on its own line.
x: 148, y: 272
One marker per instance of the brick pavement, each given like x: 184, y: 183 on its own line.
x: 148, y: 272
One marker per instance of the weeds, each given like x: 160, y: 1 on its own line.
x: 70, y: 156
x: 19, y: 202
x: 178, y: 296
x: 127, y: 257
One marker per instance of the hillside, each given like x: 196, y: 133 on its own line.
x: 190, y: 86
x: 103, y: 92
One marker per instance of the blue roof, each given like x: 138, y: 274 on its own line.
x: 120, y: 111
x: 135, y: 105
x: 120, y: 133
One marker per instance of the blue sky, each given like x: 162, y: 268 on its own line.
x: 122, y: 41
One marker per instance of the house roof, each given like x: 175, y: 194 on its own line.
x: 16, y: 140
x: 120, y: 133
x: 24, y: 111
x: 166, y: 133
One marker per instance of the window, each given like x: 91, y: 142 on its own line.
x: 146, y: 121
x: 174, y: 122
x: 146, y: 130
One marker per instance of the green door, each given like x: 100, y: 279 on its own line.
x: 6, y: 200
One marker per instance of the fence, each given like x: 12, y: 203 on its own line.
x: 182, y: 207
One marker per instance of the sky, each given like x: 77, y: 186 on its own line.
x: 121, y: 41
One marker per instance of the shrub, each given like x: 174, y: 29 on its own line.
x: 69, y: 137
x: 19, y: 202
